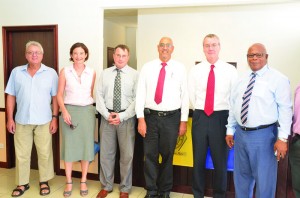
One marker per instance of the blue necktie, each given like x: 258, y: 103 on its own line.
x: 246, y: 99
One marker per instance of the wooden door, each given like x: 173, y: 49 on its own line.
x: 14, y: 41
x: 110, y: 59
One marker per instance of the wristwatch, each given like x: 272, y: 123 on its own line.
x: 55, y: 116
x: 282, y: 139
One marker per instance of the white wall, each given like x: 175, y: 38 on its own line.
x: 274, y: 25
x: 117, y: 4
x: 77, y: 21
x: 131, y: 43
x: 114, y: 34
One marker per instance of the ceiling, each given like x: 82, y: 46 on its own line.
x: 124, y: 17
x: 128, y: 17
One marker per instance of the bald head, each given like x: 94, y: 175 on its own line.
x: 258, y: 46
x: 165, y: 49
x: 257, y: 56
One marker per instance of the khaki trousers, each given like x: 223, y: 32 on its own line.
x: 24, y: 137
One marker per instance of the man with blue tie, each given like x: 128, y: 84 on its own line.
x: 260, y: 118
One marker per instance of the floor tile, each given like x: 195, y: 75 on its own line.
x: 57, y: 186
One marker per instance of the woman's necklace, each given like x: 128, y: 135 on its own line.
x: 79, y: 71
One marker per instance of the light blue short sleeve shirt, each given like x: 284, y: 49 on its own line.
x: 33, y: 94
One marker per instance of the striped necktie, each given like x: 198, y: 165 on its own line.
x: 117, y: 93
x: 246, y: 99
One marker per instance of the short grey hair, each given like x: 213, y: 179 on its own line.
x: 35, y: 43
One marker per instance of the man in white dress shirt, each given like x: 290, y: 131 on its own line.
x: 162, y: 107
x: 209, y: 122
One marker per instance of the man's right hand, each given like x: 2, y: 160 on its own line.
x: 11, y: 126
x: 142, y: 127
x: 229, y: 141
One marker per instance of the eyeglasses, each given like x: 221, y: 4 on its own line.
x: 168, y: 45
x: 121, y: 56
x: 34, y: 53
x: 73, y: 126
x: 214, y: 45
x: 258, y: 55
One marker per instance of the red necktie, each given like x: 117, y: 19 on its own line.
x: 160, y: 84
x: 210, y: 91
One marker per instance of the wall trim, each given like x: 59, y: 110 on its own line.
x: 78, y: 174
x: 3, y: 165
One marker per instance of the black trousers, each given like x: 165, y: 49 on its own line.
x: 161, y: 138
x: 209, y: 131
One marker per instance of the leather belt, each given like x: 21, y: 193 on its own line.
x: 255, y: 128
x: 110, y: 110
x: 160, y: 113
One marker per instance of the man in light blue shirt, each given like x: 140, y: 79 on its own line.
x: 264, y: 129
x: 32, y: 87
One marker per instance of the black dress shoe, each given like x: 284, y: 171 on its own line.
x: 164, y: 196
x: 151, y: 196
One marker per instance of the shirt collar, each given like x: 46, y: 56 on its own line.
x: 124, y: 69
x: 42, y: 68
x: 262, y: 71
x: 209, y: 64
x: 86, y: 69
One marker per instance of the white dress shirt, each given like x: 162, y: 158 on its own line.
x: 175, y: 92
x: 225, y: 75
x: 105, y: 91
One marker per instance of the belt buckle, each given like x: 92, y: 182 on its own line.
x: 160, y: 114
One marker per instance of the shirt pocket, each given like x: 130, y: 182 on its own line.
x: 127, y: 88
x: 262, y: 90
x: 175, y: 81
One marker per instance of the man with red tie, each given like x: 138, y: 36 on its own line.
x: 210, y: 83
x: 162, y: 108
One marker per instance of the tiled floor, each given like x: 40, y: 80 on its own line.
x: 57, y: 186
